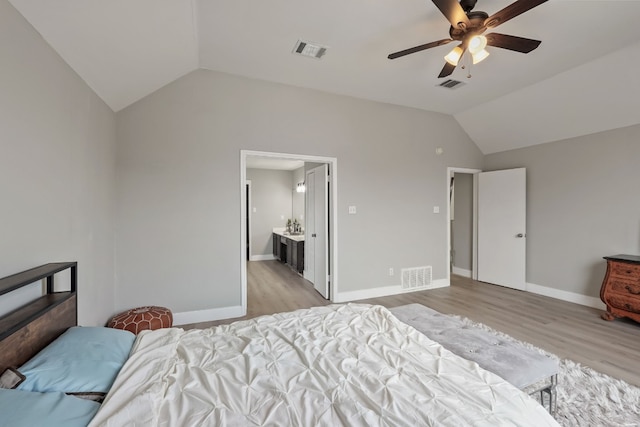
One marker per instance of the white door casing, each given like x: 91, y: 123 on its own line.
x: 249, y: 208
x: 502, y: 227
x: 322, y: 228
x: 332, y: 219
x: 474, y: 238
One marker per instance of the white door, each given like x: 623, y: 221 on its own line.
x: 316, y: 223
x: 502, y: 227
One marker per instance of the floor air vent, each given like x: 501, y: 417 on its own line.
x: 416, y: 277
x: 451, y: 84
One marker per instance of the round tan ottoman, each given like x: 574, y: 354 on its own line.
x: 141, y: 318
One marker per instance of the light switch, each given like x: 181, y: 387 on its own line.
x: 436, y: 209
x: 254, y: 210
x: 352, y: 210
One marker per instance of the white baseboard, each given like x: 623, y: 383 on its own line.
x: 461, y: 272
x: 209, y: 315
x: 384, y: 291
x: 262, y: 257
x: 565, y: 296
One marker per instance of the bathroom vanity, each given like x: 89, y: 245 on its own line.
x: 289, y: 249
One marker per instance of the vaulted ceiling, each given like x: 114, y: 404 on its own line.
x: 582, y: 79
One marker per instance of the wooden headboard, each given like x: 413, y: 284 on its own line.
x: 28, y: 329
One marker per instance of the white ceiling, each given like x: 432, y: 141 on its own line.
x: 126, y: 49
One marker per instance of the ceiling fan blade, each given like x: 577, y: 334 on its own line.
x: 511, y: 11
x: 419, y: 48
x: 452, y: 10
x: 446, y: 70
x: 518, y: 44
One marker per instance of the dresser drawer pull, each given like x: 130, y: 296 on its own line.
x: 631, y: 291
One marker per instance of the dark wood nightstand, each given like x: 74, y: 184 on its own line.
x: 621, y: 287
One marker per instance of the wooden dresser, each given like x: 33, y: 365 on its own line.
x: 621, y: 287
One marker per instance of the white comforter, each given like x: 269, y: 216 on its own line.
x: 340, y: 365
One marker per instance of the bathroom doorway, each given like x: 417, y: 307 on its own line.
x: 255, y: 165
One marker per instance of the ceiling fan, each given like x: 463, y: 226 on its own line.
x: 468, y: 26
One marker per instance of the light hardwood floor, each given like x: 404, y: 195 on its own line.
x: 568, y: 330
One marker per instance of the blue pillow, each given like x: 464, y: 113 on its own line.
x: 26, y: 409
x: 81, y: 360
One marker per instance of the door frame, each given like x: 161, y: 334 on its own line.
x: 248, y: 221
x: 474, y: 238
x: 333, y: 215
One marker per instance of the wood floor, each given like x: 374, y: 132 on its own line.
x: 568, y: 330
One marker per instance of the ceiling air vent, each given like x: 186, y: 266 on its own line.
x: 312, y: 50
x: 451, y: 84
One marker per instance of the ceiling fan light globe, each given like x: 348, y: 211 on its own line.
x: 479, y: 56
x: 454, y: 56
x: 477, y: 44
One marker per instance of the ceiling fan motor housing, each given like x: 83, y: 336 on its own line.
x: 476, y: 26
x: 468, y: 5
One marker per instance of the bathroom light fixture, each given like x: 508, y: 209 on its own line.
x: 301, y: 188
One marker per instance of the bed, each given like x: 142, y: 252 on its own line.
x: 348, y: 364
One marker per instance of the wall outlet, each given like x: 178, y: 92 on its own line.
x: 352, y: 210
x: 436, y: 209
x: 391, y: 271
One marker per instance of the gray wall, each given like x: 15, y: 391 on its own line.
x: 272, y: 197
x: 178, y: 197
x: 57, y: 181
x: 582, y: 204
x: 462, y: 225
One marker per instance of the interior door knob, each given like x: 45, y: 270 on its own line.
x: 520, y: 235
